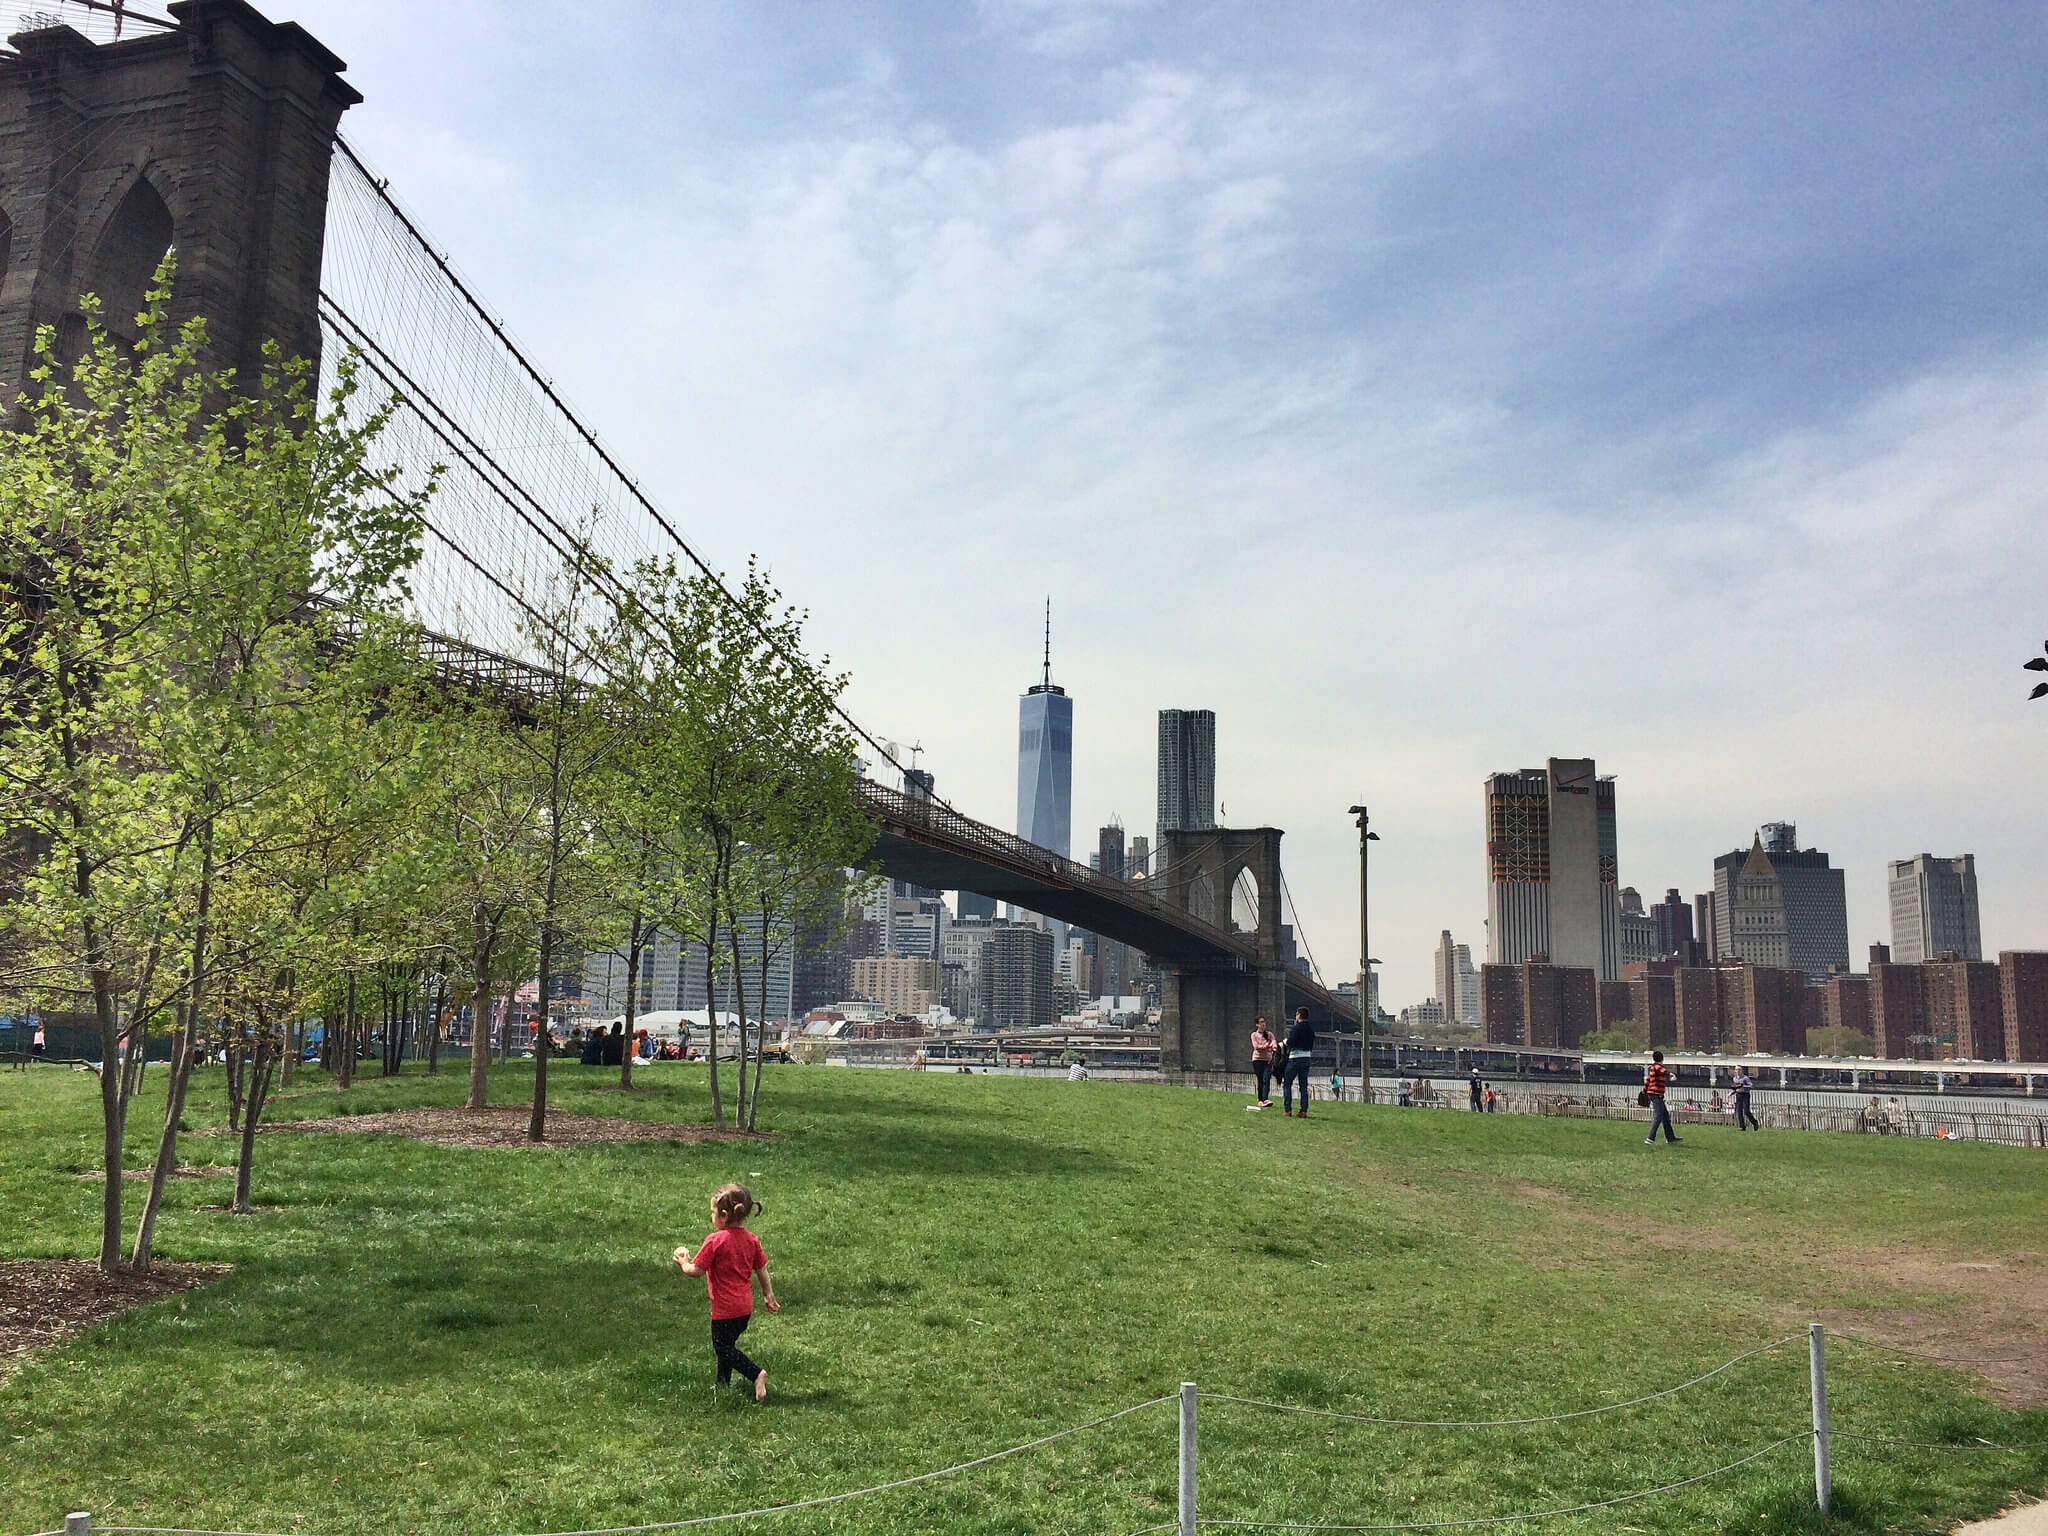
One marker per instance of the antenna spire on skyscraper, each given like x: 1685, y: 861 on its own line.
x: 1048, y: 641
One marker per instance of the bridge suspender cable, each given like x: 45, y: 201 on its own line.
x: 589, y: 438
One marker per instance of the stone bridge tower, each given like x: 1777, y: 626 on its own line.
x: 213, y: 137
x: 1206, y: 1011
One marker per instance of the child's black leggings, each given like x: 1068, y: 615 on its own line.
x: 725, y: 1343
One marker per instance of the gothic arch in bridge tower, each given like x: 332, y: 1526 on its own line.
x: 130, y: 246
x: 1206, y: 1010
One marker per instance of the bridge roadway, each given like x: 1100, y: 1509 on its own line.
x: 930, y: 844
x: 933, y: 845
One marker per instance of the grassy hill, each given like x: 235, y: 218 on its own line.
x: 418, y: 1336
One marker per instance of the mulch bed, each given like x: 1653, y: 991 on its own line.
x: 42, y: 1301
x: 504, y: 1125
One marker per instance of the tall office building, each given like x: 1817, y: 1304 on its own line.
x: 1671, y: 920
x: 970, y: 905
x: 1934, y: 908
x: 1187, y: 770
x: 1552, y: 861
x: 1780, y: 904
x: 1457, y: 981
x: 1638, y: 929
x: 1045, y: 760
x: 1109, y: 850
x: 1112, y: 967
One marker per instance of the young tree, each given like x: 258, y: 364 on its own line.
x: 161, y: 528
x: 575, y: 731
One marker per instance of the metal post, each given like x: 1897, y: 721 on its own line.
x: 1187, y: 1458
x: 78, y: 1523
x: 1366, y: 838
x: 1823, y: 1476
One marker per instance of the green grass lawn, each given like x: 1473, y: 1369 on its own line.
x: 420, y: 1337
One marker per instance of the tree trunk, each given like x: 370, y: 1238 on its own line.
x: 760, y: 1027
x: 348, y: 1034
x: 711, y: 1013
x: 262, y: 1065
x: 537, y: 1122
x: 636, y: 941
x: 739, y: 1001
x: 238, y: 1077
x: 294, y: 1048
x: 179, y: 1074
x: 110, y: 1094
x: 434, y: 1025
x: 480, y: 1013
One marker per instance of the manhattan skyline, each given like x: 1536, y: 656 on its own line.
x: 1423, y: 391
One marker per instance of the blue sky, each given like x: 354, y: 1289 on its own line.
x: 1426, y: 389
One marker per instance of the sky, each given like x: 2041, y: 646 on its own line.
x: 1427, y: 389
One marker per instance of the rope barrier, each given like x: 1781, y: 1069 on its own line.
x: 1548, y: 1418
x: 1541, y: 1514
x: 743, y: 1514
x: 1900, y: 1349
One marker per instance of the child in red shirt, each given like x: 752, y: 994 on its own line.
x: 727, y: 1261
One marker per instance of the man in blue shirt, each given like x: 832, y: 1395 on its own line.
x: 1301, y: 1045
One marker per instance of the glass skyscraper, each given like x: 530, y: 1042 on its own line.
x: 1045, y: 764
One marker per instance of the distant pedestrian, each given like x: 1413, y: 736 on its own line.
x: 1476, y: 1087
x: 1657, y: 1078
x: 1492, y: 1104
x: 1406, y: 1099
x: 1336, y: 1086
x: 1264, y: 1043
x: 728, y: 1260
x: 1301, y: 1046
x: 1743, y: 1083
x: 40, y: 1044
x: 1077, y: 1071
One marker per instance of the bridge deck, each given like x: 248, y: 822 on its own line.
x: 933, y: 845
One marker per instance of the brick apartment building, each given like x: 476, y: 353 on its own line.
x: 1538, y: 1004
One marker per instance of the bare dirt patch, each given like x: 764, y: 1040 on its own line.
x: 43, y: 1301
x: 1984, y: 1315
x: 1999, y: 1333
x: 505, y: 1126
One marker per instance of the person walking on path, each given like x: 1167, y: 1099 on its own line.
x: 1743, y: 1083
x: 41, y: 1044
x: 1477, y: 1088
x: 1657, y: 1078
x: 1492, y: 1104
x: 1301, y: 1045
x: 728, y: 1261
x: 1264, y: 1042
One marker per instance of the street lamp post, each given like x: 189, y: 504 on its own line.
x: 1366, y: 838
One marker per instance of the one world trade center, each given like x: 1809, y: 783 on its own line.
x: 1045, y: 760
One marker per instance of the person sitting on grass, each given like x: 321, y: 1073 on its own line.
x: 728, y: 1260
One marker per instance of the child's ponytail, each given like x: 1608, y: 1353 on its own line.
x: 735, y: 1204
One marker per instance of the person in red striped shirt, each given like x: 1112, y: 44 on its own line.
x: 1656, y: 1078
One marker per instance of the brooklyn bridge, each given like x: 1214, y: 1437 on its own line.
x: 215, y: 131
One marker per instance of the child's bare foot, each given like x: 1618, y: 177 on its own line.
x: 761, y: 1388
